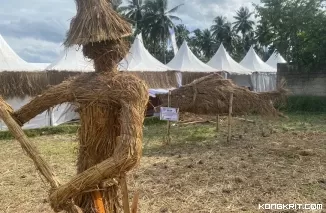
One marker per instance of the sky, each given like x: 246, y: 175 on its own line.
x: 35, y: 29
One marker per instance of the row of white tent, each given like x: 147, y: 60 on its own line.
x: 248, y: 72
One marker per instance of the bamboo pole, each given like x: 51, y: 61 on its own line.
x: 230, y: 117
x: 217, y: 119
x: 168, y: 138
x: 124, y: 190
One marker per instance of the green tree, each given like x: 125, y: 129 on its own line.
x: 296, y: 28
x: 202, y: 44
x: 181, y: 34
x: 222, y: 32
x: 156, y: 22
x: 243, y: 23
x: 134, y: 12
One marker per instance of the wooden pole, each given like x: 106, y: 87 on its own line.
x: 217, y: 123
x: 217, y: 118
x: 230, y: 117
x: 98, y: 201
x: 168, y: 139
x: 125, y: 197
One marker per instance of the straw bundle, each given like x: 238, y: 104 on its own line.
x: 21, y: 84
x: 96, y: 21
x: 210, y: 95
x: 188, y: 77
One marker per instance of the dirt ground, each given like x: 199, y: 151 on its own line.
x: 280, y: 161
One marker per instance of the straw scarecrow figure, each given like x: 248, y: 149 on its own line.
x: 111, y: 107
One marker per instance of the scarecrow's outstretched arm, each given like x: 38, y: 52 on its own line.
x: 55, y: 95
x: 126, y: 155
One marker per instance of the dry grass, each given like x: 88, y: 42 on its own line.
x: 282, y: 162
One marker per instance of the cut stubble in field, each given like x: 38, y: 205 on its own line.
x: 282, y: 162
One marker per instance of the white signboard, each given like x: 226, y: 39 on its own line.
x: 169, y: 114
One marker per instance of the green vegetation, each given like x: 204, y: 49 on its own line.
x: 307, y: 104
x: 301, y: 40
x: 64, y: 129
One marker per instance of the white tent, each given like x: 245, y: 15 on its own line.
x: 72, y: 60
x: 40, y: 66
x: 264, y: 76
x: 186, y: 61
x: 275, y: 59
x: 11, y: 62
x: 139, y: 59
x: 223, y: 61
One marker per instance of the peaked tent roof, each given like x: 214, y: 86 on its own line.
x: 139, y: 59
x: 275, y: 59
x: 72, y: 59
x: 223, y: 61
x: 10, y: 61
x: 186, y: 61
x: 252, y: 61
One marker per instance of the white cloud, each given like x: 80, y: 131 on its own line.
x: 35, y: 28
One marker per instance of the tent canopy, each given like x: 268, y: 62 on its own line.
x: 40, y: 66
x: 139, y: 59
x: 10, y: 61
x: 275, y: 59
x: 73, y: 60
x: 186, y: 61
x: 223, y: 61
x: 253, y: 62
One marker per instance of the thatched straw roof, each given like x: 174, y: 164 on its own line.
x: 210, y: 95
x: 96, y: 21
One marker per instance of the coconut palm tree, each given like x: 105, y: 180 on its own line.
x: 222, y: 32
x: 243, y: 23
x: 133, y: 12
x: 156, y: 22
x: 181, y: 34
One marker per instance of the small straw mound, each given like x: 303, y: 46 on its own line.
x: 210, y: 95
x: 96, y: 21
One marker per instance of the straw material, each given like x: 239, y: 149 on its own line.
x: 112, y: 108
x: 21, y: 84
x: 57, y: 77
x: 188, y: 77
x: 96, y: 21
x: 158, y: 80
x: 210, y: 95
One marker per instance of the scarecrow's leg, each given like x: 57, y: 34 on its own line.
x: 55, y: 95
x: 125, y: 157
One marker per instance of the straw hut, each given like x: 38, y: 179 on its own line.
x: 264, y: 76
x: 20, y: 81
x: 237, y: 73
x: 189, y: 66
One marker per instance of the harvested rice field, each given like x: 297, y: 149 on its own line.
x: 280, y: 161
